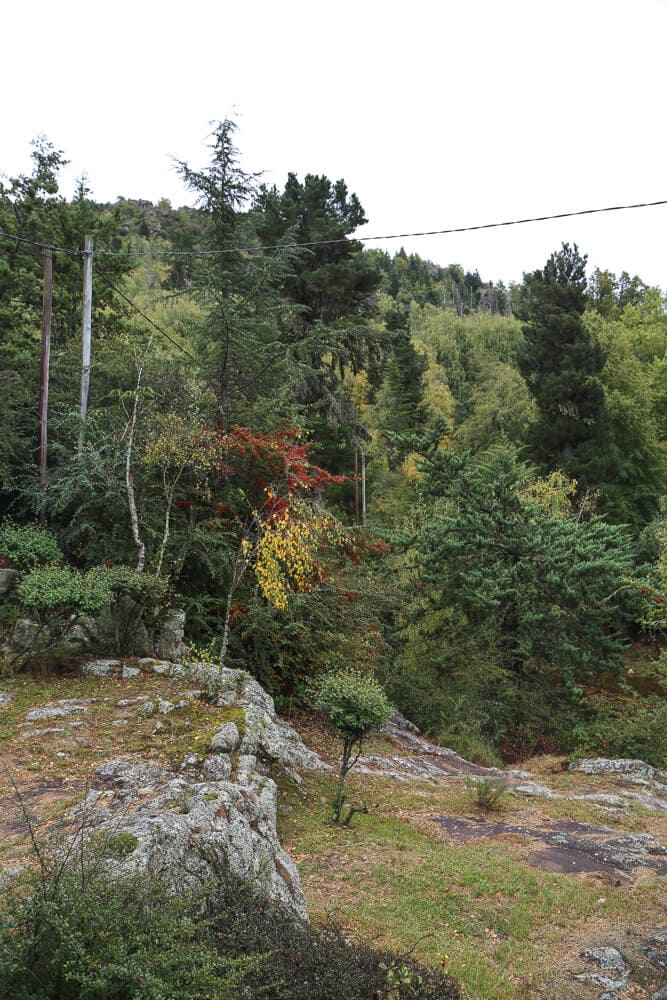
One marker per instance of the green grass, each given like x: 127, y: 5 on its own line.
x: 497, y: 919
x: 65, y: 761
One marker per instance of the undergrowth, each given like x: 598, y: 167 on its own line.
x: 82, y: 930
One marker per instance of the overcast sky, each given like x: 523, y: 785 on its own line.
x: 437, y: 113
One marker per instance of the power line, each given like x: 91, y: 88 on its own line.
x: 42, y: 246
x: 392, y: 236
x: 79, y: 253
x: 155, y: 326
x: 358, y: 239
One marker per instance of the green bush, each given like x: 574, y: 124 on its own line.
x: 74, y: 933
x: 60, y: 588
x: 28, y: 545
x: 144, y: 588
x: 486, y: 713
x: 58, y: 595
x: 354, y: 703
x: 48, y: 588
x: 635, y: 728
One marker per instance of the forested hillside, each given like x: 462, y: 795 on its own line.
x: 330, y: 456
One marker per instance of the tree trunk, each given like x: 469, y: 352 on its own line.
x: 169, y: 494
x: 130, y: 428
x: 344, y: 768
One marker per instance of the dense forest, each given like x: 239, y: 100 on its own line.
x: 330, y: 456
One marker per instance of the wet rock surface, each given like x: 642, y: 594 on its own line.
x: 569, y: 847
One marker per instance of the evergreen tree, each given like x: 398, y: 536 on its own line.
x: 400, y: 397
x: 331, y: 284
x: 239, y: 346
x: 562, y: 365
x: 31, y: 208
x: 332, y: 279
x: 504, y: 562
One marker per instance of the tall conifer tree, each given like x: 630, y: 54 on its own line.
x: 562, y: 365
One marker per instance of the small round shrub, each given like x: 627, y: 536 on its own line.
x: 54, y: 588
x: 144, y: 588
x: 353, y: 702
x: 28, y: 545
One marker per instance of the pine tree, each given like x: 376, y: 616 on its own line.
x: 239, y: 346
x: 562, y: 365
x: 400, y: 397
x: 543, y: 589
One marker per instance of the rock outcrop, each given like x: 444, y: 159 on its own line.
x: 215, y: 812
x: 196, y: 824
x: 8, y: 580
x: 265, y: 735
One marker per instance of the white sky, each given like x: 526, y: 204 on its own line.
x: 438, y: 114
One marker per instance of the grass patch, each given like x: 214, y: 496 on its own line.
x: 500, y: 922
x: 51, y: 771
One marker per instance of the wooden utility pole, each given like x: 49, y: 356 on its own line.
x: 356, y: 485
x: 363, y: 487
x: 86, y: 324
x: 44, y: 368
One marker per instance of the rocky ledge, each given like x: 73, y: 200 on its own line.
x: 216, y: 811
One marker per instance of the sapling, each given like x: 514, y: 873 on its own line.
x: 355, y: 704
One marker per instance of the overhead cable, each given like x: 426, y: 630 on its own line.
x: 43, y: 246
x: 359, y: 239
x: 367, y: 239
x: 136, y: 308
